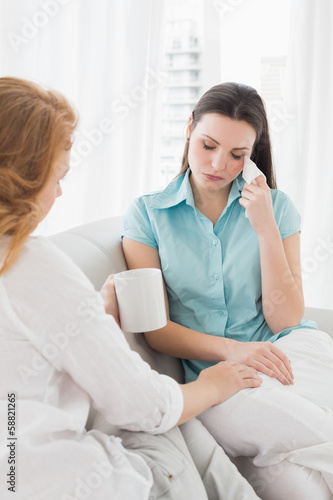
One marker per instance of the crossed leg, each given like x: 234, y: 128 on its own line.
x: 291, y: 426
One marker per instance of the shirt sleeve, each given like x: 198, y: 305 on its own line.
x: 137, y: 224
x: 58, y: 310
x: 286, y: 214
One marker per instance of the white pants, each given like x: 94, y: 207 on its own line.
x: 287, y: 431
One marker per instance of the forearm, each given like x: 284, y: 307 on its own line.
x: 282, y: 298
x: 198, y: 397
x: 181, y: 342
x: 215, y: 385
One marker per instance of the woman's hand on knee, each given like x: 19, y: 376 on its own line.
x: 264, y: 357
x: 215, y: 385
x: 229, y: 377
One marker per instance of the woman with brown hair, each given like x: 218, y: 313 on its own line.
x: 59, y: 349
x: 229, y: 252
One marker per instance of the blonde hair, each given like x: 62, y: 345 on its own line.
x: 36, y: 124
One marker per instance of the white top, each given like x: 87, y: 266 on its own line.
x: 58, y: 348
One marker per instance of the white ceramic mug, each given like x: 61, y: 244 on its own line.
x: 140, y: 298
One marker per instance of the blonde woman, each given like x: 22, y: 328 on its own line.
x: 59, y: 349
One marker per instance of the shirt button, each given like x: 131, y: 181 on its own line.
x: 216, y: 276
x: 215, y: 242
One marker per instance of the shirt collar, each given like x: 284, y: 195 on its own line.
x: 176, y: 192
x: 180, y: 190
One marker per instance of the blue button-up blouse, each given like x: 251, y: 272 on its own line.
x: 212, y: 272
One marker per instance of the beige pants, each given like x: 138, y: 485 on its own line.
x: 220, y: 477
x: 187, y: 464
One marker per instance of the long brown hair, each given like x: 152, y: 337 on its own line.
x: 35, y: 124
x: 239, y: 102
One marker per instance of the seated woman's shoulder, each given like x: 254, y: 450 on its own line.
x: 40, y: 259
x: 41, y: 249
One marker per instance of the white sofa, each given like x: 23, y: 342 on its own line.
x: 96, y: 249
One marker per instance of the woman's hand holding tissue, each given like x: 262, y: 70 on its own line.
x: 257, y: 200
x: 108, y: 293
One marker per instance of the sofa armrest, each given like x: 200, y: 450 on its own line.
x: 96, y: 248
x: 323, y: 318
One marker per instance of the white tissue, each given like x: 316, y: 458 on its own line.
x: 250, y: 172
x: 141, y: 301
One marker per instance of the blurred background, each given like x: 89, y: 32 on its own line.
x: 134, y: 70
